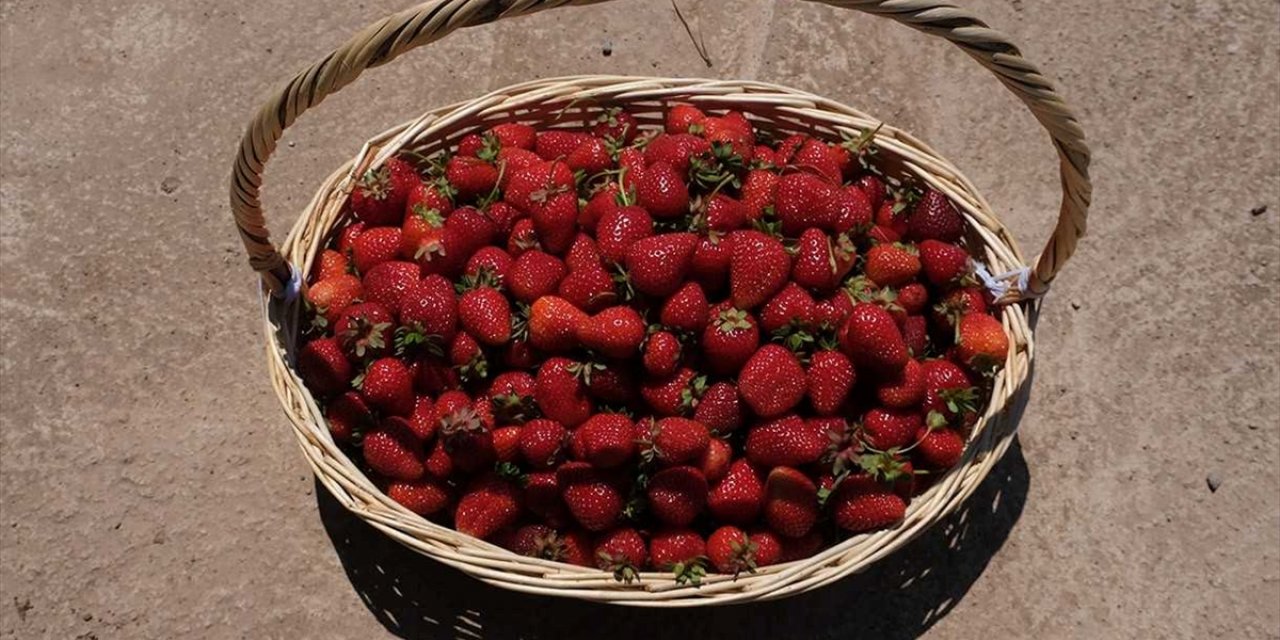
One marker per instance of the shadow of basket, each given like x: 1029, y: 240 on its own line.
x: 901, y: 596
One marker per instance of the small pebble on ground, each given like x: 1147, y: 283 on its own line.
x: 1214, y: 482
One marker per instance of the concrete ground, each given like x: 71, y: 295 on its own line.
x: 151, y: 488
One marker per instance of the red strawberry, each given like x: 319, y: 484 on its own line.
x: 433, y: 375
x: 772, y: 381
x: 800, y: 548
x: 674, y: 394
x: 425, y: 497
x: 392, y: 451
x: 731, y: 551
x: 466, y: 231
x: 556, y: 144
x: 493, y: 261
x: 347, y: 238
x: 904, y: 390
x: 680, y: 551
x: 935, y: 218
x: 388, y: 386
x: 758, y: 192
x: 758, y: 268
x: 739, y: 496
x: 375, y: 246
x: 720, y: 409
x: 886, y: 429
x: 861, y: 503
x: 588, y: 287
x: 764, y: 156
x: 724, y: 214
x: 959, y: 303
x: 620, y: 228
x: 590, y: 157
x: 661, y: 354
x: 850, y: 211
x: 512, y: 160
x: 676, y: 150
x: 733, y: 130
x: 769, y: 546
x: 606, y: 440
x: 430, y: 308
x: 801, y: 202
x: 790, y: 309
x: 820, y: 264
x: 472, y: 177
x: 617, y: 126
x: 422, y: 236
x: 420, y: 421
x: 871, y: 338
x: 511, y: 396
x: 658, y: 264
x: 982, y: 343
x: 542, y: 443
x: 535, y: 274
x: 913, y: 298
x: 714, y: 462
x: 536, y: 184
x: 949, y: 390
x: 331, y: 295
x: 615, y: 332
x: 892, y: 217
x: 553, y: 324
x: 466, y: 356
x: 631, y: 169
x: 662, y: 191
x: 542, y: 498
x: 623, y: 552
x: 680, y: 117
x: 561, y: 395
x: 592, y: 500
x: 677, y: 495
x: 943, y: 263
x: 536, y: 541
x: 832, y: 312
x: 686, y: 309
x: 331, y: 264
x: 790, y: 503
x: 438, y: 463
x: 785, y: 441
x: 365, y: 330
x: 613, y: 384
x: 466, y: 437
x: 486, y: 314
x: 818, y: 157
x: 710, y: 263
x: 387, y: 282
x: 489, y: 505
x: 873, y: 187
x: 472, y: 145
x: 514, y: 134
x: 675, y: 441
x: 601, y: 203
x: 729, y: 340
x: 379, y: 196
x: 556, y: 221
x: 891, y: 265
x: 523, y: 237
x: 829, y: 379
x: 349, y: 417
x: 915, y: 333
x: 324, y: 367
x: 939, y: 448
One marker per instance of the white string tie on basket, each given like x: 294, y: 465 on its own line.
x: 999, y: 284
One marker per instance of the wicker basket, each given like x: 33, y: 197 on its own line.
x: 571, y: 102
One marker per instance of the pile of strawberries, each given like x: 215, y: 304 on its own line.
x: 690, y: 349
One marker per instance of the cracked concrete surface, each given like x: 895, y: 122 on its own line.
x: 151, y: 488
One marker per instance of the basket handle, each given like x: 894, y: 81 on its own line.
x: 386, y: 39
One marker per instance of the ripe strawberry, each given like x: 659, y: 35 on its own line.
x: 364, y: 330
x: 801, y: 202
x: 542, y: 443
x: 583, y: 253
x: 388, y: 386
x: 375, y: 246
x: 891, y: 265
x: 763, y: 156
x: 675, y: 441
x: 662, y: 191
x: 815, y: 265
x: 553, y: 324
x: 486, y: 314
x: 387, y: 282
x: 430, y: 308
x: 786, y: 441
x: 324, y: 367
x: 851, y: 211
x: 758, y: 193
x: 658, y: 264
x: 772, y: 381
x: 613, y: 384
x: 935, y: 218
x: 392, y: 451
x: 604, y: 201
x: 590, y: 157
x: 680, y: 117
x: 677, y: 495
x: 619, y: 229
x: 873, y: 187
x: 939, y: 448
x: 731, y: 551
x: 378, y: 197
x: 438, y: 463
x: 943, y: 263
x: 739, y: 496
x: 886, y: 429
x: 472, y: 145
x: 433, y: 375
x: 661, y: 354
x: 949, y: 390
x: 556, y: 144
x: 420, y: 422
x: 616, y: 125
x: 331, y: 295
x: 981, y: 342
x: 790, y: 502
x: 871, y: 338
x: 592, y: 500
x: 466, y: 356
x: 915, y: 333
x: 561, y: 395
x: 535, y: 274
x: 957, y: 304
x: 800, y: 548
x: 425, y: 497
x: 422, y: 236
x: 903, y: 390
x: 556, y: 221
x: 913, y: 298
x: 523, y: 237
x: 493, y: 261
x: 466, y: 231
x: 724, y: 214
x: 536, y: 184
x: 615, y: 332
x: 588, y: 287
x: 720, y: 409
x: 680, y: 551
x: 605, y: 440
x: 631, y: 169
x: 829, y: 379
x: 710, y: 263
x: 677, y: 150
x: 331, y: 264
x: 542, y: 498
x: 519, y: 354
x: 714, y: 462
x: 623, y: 552
x: 892, y: 217
x: 832, y: 312
x: 471, y: 177
x: 820, y: 158
x: 758, y: 268
x: 348, y: 417
x: 789, y: 310
x: 511, y: 397
x: 514, y: 134
x: 686, y: 310
x: 673, y: 395
x: 769, y: 546
x: 729, y: 340
x: 861, y: 503
x: 512, y: 160
x: 488, y: 505
x: 536, y: 541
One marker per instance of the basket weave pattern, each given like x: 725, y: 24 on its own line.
x: 572, y: 102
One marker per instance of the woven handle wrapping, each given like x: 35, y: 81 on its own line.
x: 385, y: 40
